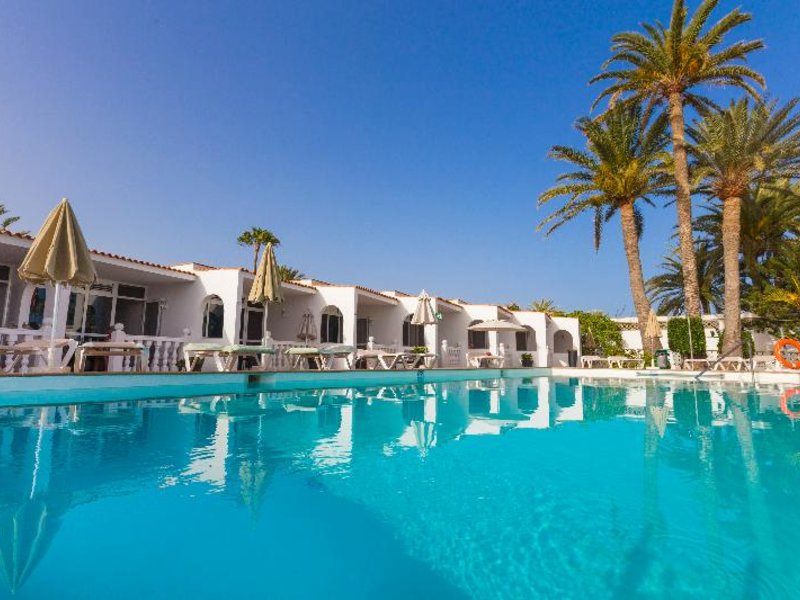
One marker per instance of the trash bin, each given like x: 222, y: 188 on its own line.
x: 662, y: 359
x: 572, y: 358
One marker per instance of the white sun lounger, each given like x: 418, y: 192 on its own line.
x: 299, y: 355
x: 591, y: 361
x: 329, y: 353
x: 39, y: 349
x: 230, y: 355
x: 625, y: 362
x: 194, y: 351
x: 225, y: 357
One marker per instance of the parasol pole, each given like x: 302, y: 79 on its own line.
x: 51, y: 355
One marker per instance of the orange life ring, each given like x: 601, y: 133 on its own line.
x: 780, y: 345
x: 792, y: 414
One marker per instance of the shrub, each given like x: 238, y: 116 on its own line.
x: 606, y: 335
x: 678, y: 337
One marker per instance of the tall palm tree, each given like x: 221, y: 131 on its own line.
x: 621, y: 166
x: 735, y: 150
x: 666, y: 289
x: 665, y: 65
x: 255, y: 238
x: 770, y: 217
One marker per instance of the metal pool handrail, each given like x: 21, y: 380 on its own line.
x: 725, y: 355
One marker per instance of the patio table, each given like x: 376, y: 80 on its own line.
x: 109, y: 350
x: 489, y: 361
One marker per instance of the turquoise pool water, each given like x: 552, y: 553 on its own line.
x: 501, y: 488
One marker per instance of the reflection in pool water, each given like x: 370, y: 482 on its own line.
x: 511, y: 488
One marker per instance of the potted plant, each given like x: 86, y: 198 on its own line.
x: 526, y: 360
x: 419, y: 350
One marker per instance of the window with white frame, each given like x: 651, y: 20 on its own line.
x: 252, y: 322
x: 413, y: 335
x: 213, y: 317
x: 92, y: 312
x: 331, y: 326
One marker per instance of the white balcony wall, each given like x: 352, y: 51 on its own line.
x: 185, y: 303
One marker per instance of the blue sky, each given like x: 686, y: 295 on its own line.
x: 393, y: 144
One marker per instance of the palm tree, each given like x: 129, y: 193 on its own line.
x: 6, y: 221
x: 770, y: 218
x: 779, y: 302
x: 544, y: 305
x: 664, y: 66
x: 735, y: 150
x: 621, y: 165
x: 255, y: 238
x: 289, y: 274
x: 666, y: 289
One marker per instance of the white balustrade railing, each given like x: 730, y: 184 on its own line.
x: 161, y: 353
x: 10, y: 337
x: 452, y: 356
x: 373, y: 345
x: 280, y: 360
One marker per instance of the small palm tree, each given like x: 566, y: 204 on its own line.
x: 6, y: 221
x: 622, y: 165
x: 735, y: 150
x: 665, y: 65
x: 289, y: 274
x: 544, y: 305
x: 666, y: 289
x: 256, y: 238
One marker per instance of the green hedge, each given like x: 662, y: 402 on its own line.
x: 678, y: 337
x: 606, y: 334
x: 747, y: 343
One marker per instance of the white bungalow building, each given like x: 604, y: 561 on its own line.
x: 164, y: 306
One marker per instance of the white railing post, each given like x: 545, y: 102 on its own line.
x: 371, y: 343
x: 443, y: 360
x: 116, y: 363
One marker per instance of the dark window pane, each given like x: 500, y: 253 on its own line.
x: 522, y: 340
x: 152, y: 317
x: 215, y: 321
x: 98, y: 315
x: 255, y: 325
x: 36, y: 312
x: 131, y: 314
x: 130, y: 291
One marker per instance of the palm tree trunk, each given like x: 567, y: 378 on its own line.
x: 256, y: 250
x: 731, y: 233
x: 683, y: 202
x: 630, y: 239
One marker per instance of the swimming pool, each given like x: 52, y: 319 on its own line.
x: 492, y: 488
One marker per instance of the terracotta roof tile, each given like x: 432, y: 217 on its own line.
x: 144, y: 263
